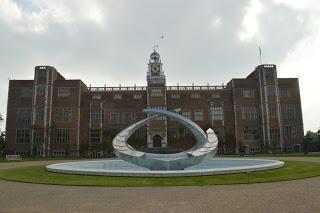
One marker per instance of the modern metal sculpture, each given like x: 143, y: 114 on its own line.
x: 206, y: 145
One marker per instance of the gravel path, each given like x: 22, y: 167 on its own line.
x: 289, y: 196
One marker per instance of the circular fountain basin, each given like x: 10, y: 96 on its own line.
x: 211, y: 166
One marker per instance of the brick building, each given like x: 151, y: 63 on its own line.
x: 54, y: 116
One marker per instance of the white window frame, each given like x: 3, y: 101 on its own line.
x: 23, y: 136
x: 65, y: 112
x: 198, y: 115
x: 248, y: 92
x: 175, y: 96
x: 63, y: 92
x: 96, y: 97
x: 187, y: 114
x: 26, y: 92
x: 117, y: 96
x: 195, y: 95
x: 156, y: 92
x: 137, y: 96
x: 62, y: 136
x: 216, y: 113
x: 24, y: 115
x: 114, y: 118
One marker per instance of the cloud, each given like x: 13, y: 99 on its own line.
x: 301, y: 61
x: 109, y: 42
x: 30, y: 16
x: 250, y: 22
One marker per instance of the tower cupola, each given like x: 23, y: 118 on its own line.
x: 155, y: 74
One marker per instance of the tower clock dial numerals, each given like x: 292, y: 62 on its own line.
x: 155, y: 68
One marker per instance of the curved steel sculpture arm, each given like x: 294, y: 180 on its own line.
x: 205, y: 145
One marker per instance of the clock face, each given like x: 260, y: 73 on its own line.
x: 155, y: 68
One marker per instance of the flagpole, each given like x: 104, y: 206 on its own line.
x: 260, y: 54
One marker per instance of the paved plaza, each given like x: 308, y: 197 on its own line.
x: 289, y: 196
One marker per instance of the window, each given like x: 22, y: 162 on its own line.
x: 137, y: 116
x: 126, y: 117
x: 198, y: 115
x: 42, y: 74
x: 216, y: 113
x: 96, y: 97
x: 175, y: 96
x: 114, y: 118
x: 63, y: 92
x: 250, y: 132
x: 39, y: 115
x: 161, y: 108
x: 24, y: 116
x: 289, y: 132
x: 255, y: 149
x: 187, y: 115
x: 269, y: 73
x: 274, y: 134
x: 156, y: 93
x: 288, y: 112
x: 270, y: 90
x: 95, y: 135
x: 41, y: 89
x: 96, y: 116
x: 175, y: 133
x: 273, y: 113
x: 23, y: 136
x: 284, y: 92
x: 38, y: 137
x: 137, y: 96
x: 248, y: 93
x: 58, y: 153
x: 62, y: 115
x: 26, y: 92
x: 216, y: 95
x: 141, y: 133
x: 62, y: 136
x: 22, y: 153
x: 185, y: 132
x: 195, y: 95
x: 249, y: 113
x: 117, y: 96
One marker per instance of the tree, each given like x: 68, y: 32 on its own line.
x: 307, y: 139
x: 230, y: 142
x: 107, y: 137
x: 242, y: 148
x: 265, y: 147
x: 274, y: 145
x: 3, y: 141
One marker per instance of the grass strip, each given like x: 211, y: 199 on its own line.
x: 37, y: 174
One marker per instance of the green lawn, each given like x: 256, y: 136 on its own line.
x: 37, y: 174
x: 276, y: 155
x: 24, y: 159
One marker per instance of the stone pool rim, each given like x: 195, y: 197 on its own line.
x: 272, y: 164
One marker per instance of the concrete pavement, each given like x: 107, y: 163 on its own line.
x: 289, y: 196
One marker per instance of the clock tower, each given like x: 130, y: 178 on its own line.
x: 156, y: 99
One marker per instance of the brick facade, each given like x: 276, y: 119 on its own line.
x: 53, y: 116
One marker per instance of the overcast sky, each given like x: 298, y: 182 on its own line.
x: 208, y: 41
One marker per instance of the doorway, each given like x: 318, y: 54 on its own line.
x: 157, y: 141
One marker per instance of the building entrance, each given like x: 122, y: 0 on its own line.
x: 157, y: 141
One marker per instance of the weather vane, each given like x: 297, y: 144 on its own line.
x: 154, y: 47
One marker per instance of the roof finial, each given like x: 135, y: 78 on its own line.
x: 154, y: 47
